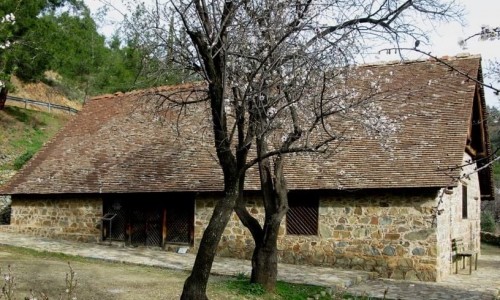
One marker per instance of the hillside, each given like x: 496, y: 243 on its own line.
x: 24, y: 131
x: 42, y: 92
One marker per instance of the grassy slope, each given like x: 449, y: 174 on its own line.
x: 22, y: 133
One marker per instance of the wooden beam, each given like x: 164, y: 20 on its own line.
x: 164, y: 228
x: 471, y: 151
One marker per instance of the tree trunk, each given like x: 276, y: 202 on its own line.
x: 274, y: 191
x: 196, y: 284
x: 3, y: 97
x: 265, y: 257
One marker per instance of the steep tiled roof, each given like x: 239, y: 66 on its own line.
x: 111, y: 146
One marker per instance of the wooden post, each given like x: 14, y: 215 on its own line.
x: 164, y: 228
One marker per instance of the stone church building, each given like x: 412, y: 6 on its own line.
x: 118, y: 173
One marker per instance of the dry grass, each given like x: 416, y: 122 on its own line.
x: 41, y: 92
x: 96, y: 279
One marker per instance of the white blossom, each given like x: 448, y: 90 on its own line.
x: 9, y: 18
x: 271, y: 112
x: 227, y: 106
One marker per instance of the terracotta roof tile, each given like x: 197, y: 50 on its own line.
x: 112, y: 147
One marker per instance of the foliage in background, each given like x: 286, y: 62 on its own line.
x: 27, y: 57
x: 493, y: 207
x: 488, y: 222
x: 61, y: 35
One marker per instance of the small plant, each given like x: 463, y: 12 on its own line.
x: 71, y: 284
x: 243, y: 286
x: 487, y: 222
x: 32, y: 296
x: 9, y: 284
x: 299, y: 291
x: 241, y: 276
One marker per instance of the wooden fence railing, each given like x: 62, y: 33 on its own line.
x: 50, y: 106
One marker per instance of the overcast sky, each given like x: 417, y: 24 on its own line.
x: 444, y: 39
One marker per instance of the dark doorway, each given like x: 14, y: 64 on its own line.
x: 180, y: 218
x: 149, y: 219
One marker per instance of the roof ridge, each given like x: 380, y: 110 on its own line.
x: 163, y: 88
x: 458, y: 56
x: 152, y: 90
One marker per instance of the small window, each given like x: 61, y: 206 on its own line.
x: 302, y: 215
x: 464, y: 202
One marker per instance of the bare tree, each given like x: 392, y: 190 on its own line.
x: 278, y: 80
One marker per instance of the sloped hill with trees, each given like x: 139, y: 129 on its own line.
x: 61, y: 36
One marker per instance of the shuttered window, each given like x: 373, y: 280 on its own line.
x: 302, y: 215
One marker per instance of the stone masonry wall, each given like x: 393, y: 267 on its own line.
x: 236, y: 241
x: 388, y: 233
x: 73, y: 219
x: 450, y: 222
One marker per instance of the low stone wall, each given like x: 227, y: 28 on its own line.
x: 388, y: 233
x: 50, y: 216
x: 490, y: 238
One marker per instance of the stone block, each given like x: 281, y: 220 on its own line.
x: 357, y: 261
x: 392, y: 236
x: 418, y: 251
x: 365, y: 220
x: 419, y: 235
x: 343, y: 262
x: 376, y: 235
x: 398, y: 274
x: 406, y: 263
x: 385, y: 220
x: 411, y: 275
x: 389, y: 250
x: 342, y: 244
x: 325, y: 231
x: 426, y: 275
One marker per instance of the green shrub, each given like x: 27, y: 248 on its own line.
x: 21, y: 160
x: 243, y: 286
x: 487, y: 222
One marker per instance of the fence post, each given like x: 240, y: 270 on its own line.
x: 49, y: 106
x: 25, y: 103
